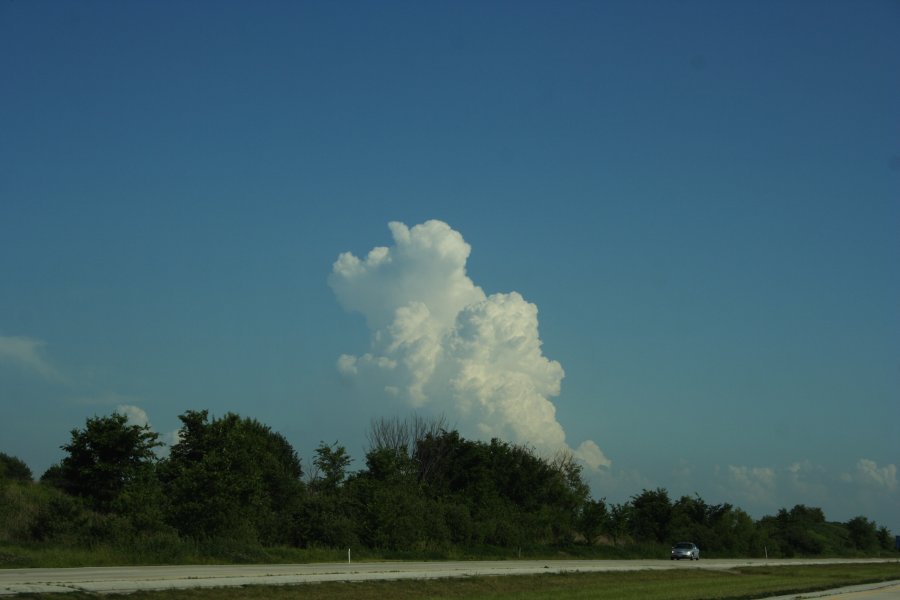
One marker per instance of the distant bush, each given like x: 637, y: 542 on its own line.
x: 61, y: 518
x: 19, y: 503
x: 14, y: 469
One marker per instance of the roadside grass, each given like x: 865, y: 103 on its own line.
x: 100, y: 555
x: 158, y: 550
x: 695, y: 584
x: 173, y: 550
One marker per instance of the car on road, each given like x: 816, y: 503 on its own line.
x: 685, y: 550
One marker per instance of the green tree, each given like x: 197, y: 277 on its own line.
x: 651, y: 514
x: 331, y: 464
x: 232, y: 478
x: 735, y: 532
x: 690, y: 521
x: 710, y: 526
x: 797, y: 530
x: 326, y: 517
x: 617, y: 523
x: 481, y: 484
x: 391, y: 508
x: 593, y: 519
x: 863, y: 533
x: 884, y: 538
x: 105, y: 458
x: 507, y: 492
x: 53, y: 477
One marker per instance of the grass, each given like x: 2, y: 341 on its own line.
x: 693, y: 584
x: 169, y: 550
x: 21, y: 556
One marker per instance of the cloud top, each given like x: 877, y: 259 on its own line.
x: 439, y: 341
x: 868, y: 473
x: 426, y: 267
x: 135, y: 415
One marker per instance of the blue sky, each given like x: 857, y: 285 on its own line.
x: 700, y: 200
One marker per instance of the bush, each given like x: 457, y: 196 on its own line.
x: 18, y: 506
x: 61, y: 518
x: 14, y: 469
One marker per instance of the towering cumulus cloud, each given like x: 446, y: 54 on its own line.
x: 439, y: 341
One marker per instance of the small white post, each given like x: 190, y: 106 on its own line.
x: 766, y: 548
x: 348, y: 556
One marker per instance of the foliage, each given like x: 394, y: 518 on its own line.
x: 105, y: 458
x: 325, y: 515
x: 13, y: 468
x: 617, y: 523
x: 331, y: 464
x: 651, y: 513
x: 885, y: 539
x: 232, y: 490
x: 512, y: 495
x: 863, y: 533
x: 798, y: 531
x: 231, y: 477
x: 593, y: 519
x: 18, y: 506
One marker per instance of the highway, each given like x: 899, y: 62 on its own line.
x: 874, y: 591
x: 132, y: 579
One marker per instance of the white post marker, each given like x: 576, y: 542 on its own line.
x: 348, y: 556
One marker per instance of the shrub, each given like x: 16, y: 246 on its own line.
x: 14, y: 469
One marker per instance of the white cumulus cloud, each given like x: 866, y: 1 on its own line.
x: 868, y: 473
x: 135, y: 414
x: 438, y: 340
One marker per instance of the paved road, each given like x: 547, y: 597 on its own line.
x: 876, y: 591
x: 131, y: 579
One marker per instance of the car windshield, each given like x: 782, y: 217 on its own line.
x: 684, y: 546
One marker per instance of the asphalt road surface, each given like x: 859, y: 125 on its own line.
x: 132, y: 579
x: 876, y: 591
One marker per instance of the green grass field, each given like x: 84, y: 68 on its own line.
x: 739, y: 583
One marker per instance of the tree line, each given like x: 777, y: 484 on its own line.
x: 423, y: 489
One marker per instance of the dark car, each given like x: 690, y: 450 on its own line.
x: 685, y: 550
